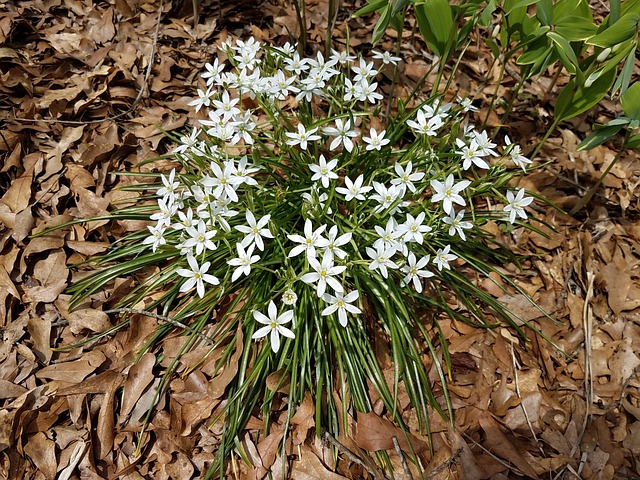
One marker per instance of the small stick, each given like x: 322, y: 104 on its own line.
x: 405, y: 467
x: 162, y: 318
x: 446, y: 464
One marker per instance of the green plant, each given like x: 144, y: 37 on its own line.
x: 295, y: 229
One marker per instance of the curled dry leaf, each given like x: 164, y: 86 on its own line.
x: 374, y: 433
x: 42, y: 452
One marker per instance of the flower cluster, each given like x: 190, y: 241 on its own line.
x: 288, y: 180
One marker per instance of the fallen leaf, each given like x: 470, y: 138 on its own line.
x: 374, y: 433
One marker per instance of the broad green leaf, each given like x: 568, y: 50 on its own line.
x: 614, y: 16
x: 574, y: 100
x: 631, y: 101
x: 575, y: 28
x: 540, y: 48
x: 633, y: 141
x: 371, y: 7
x: 575, y: 8
x: 487, y: 14
x: 381, y: 24
x: 622, y: 82
x: 599, y: 136
x: 630, y: 6
x: 398, y: 5
x: 565, y: 52
x: 622, y: 30
x: 435, y: 20
x: 611, y: 64
x: 511, y: 5
x: 544, y: 11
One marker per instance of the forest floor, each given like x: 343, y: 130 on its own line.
x: 84, y: 88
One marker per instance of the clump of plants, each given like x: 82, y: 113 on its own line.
x: 301, y: 225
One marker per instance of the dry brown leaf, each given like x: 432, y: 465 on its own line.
x: 42, y: 452
x: 74, y: 371
x: 138, y: 379
x: 18, y: 196
x: 374, y: 433
x: 88, y: 319
x: 309, y: 467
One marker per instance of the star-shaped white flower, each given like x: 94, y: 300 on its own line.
x: 302, y: 137
x: 323, y: 274
x: 448, y: 192
x: 405, y: 178
x: 381, y: 259
x: 324, y: 171
x: 243, y: 261
x: 375, y: 140
x: 342, y: 304
x: 312, y: 239
x: 516, y: 205
x: 274, y: 325
x: 196, y: 276
x: 343, y: 133
x: 443, y: 257
x: 254, y: 231
x: 353, y: 190
x: 456, y: 225
x: 414, y: 270
x: 413, y: 229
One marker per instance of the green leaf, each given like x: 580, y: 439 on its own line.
x: 540, y: 48
x: 576, y: 8
x: 487, y: 13
x: 614, y: 6
x: 398, y: 6
x: 630, y: 6
x: 435, y: 20
x: 633, y: 141
x: 631, y: 101
x: 381, y: 24
x: 574, y: 100
x: 598, y: 137
x: 371, y: 7
x: 565, y: 52
x: 575, y: 28
x: 622, y: 82
x: 622, y: 30
x: 544, y: 11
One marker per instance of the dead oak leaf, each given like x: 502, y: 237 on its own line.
x: 374, y: 433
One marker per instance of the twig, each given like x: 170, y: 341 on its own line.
x: 405, y: 467
x: 147, y: 74
x: 446, y: 464
x: 352, y: 456
x: 509, y: 465
x: 162, y: 318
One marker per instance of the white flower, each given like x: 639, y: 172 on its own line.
x: 274, y: 325
x: 381, y: 259
x: 289, y: 297
x: 413, y: 229
x: 212, y: 75
x: 244, y: 171
x: 168, y: 191
x: 447, y: 192
x: 516, y: 205
x: 376, y: 140
x: 341, y: 57
x: 309, y: 242
x: 405, y: 178
x: 324, y: 171
x: 414, y: 271
x: 203, y: 100
x: 196, y: 276
x: 295, y: 64
x: 443, y: 257
x: 485, y: 145
x: 364, y: 71
x: 385, y: 196
x: 456, y: 225
x: 243, y: 261
x: 157, y: 236
x: 199, y: 237
x: 367, y: 91
x: 186, y: 220
x: 226, y: 106
x: 334, y: 242
x: 255, y: 230
x: 167, y: 210
x: 471, y: 154
x: 515, y: 152
x: 353, y: 190
x: 425, y: 127
x: 343, y: 132
x: 467, y: 105
x: 302, y: 137
x: 324, y: 273
x: 388, y: 236
x: 223, y: 181
x: 342, y: 304
x: 386, y: 57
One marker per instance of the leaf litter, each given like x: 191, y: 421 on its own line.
x: 77, y: 108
